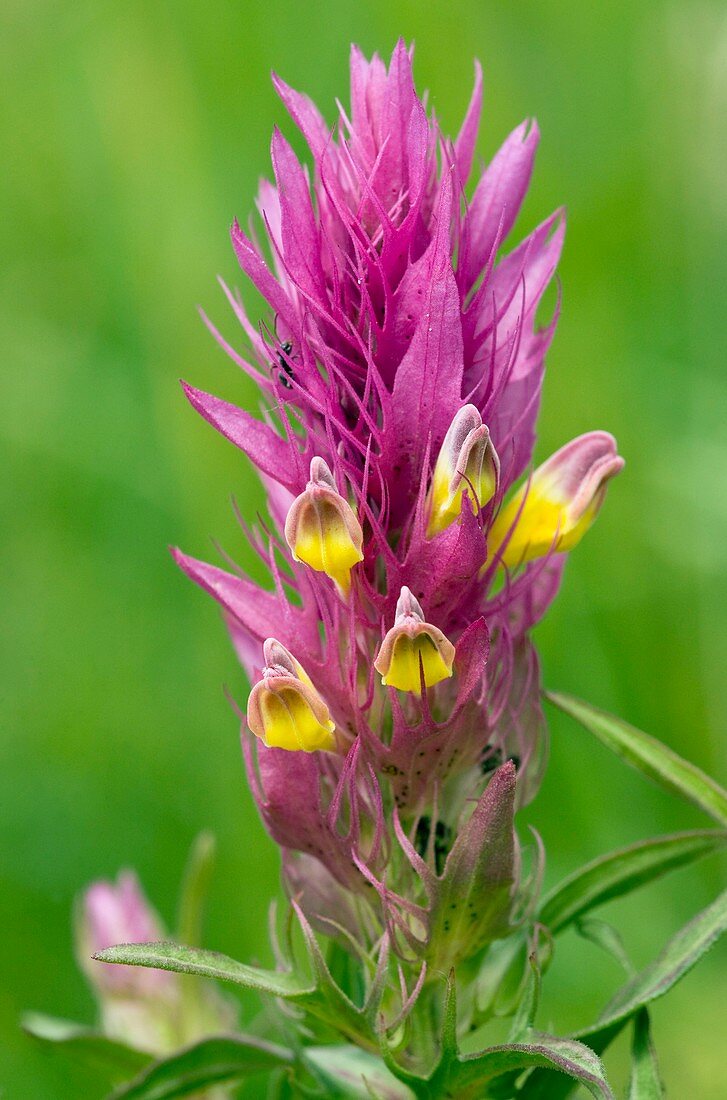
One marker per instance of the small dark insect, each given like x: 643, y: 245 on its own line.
x: 492, y: 762
x: 286, y: 371
x: 442, y: 841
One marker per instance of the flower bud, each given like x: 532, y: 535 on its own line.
x: 322, y: 529
x: 114, y: 913
x: 467, y: 462
x: 413, y: 644
x: 553, y: 511
x: 139, y: 1006
x: 284, y: 709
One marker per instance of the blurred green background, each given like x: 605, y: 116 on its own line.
x: 134, y: 133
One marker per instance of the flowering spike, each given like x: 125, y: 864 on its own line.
x: 322, y: 529
x: 412, y: 645
x: 467, y: 461
x: 553, y: 511
x: 284, y: 709
x: 390, y: 784
x: 402, y: 304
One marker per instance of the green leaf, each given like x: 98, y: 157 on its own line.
x: 564, y: 1056
x: 346, y: 970
x: 524, y: 1019
x: 645, y: 1083
x: 495, y: 1071
x: 620, y: 872
x: 449, y: 1046
x: 195, y: 886
x: 501, y: 980
x: 115, y: 1060
x: 607, y: 938
x: 207, y: 964
x: 469, y: 904
x: 681, y: 953
x: 649, y: 756
x: 347, y: 1071
x: 225, y: 1060
x: 198, y: 1001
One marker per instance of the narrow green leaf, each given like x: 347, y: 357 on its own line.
x: 524, y: 1019
x: 195, y: 885
x: 346, y: 970
x: 449, y: 1045
x: 608, y: 939
x: 190, y: 912
x: 502, y: 978
x: 438, y: 1081
x: 349, y: 1072
x: 281, y: 1087
x: 681, y: 953
x: 648, y: 756
x: 645, y: 1083
x: 418, y: 1085
x: 565, y: 1056
x: 620, y: 872
x: 207, y: 964
x: 225, y: 1060
x: 115, y: 1060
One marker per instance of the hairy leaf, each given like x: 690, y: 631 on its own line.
x: 207, y: 964
x: 495, y: 1071
x: 524, y: 1020
x: 649, y: 756
x: 565, y: 1056
x: 620, y: 872
x: 320, y: 995
x: 501, y: 981
x: 470, y: 902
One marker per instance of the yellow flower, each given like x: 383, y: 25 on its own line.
x: 322, y: 530
x: 413, y: 645
x: 285, y: 710
x: 467, y: 463
x: 554, y: 509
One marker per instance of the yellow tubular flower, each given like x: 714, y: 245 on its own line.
x: 413, y: 644
x: 322, y: 530
x: 552, y: 512
x: 467, y: 463
x: 284, y: 709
